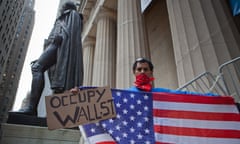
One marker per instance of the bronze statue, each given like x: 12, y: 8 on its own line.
x: 62, y: 57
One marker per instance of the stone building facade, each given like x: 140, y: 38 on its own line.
x: 182, y: 38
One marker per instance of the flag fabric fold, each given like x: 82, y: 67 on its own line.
x: 164, y: 118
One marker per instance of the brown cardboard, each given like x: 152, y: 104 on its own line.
x: 68, y: 110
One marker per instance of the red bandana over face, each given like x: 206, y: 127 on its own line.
x: 143, y: 82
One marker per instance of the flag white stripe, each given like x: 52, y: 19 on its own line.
x: 100, y: 138
x: 166, y: 138
x: 190, y: 123
x: 195, y: 107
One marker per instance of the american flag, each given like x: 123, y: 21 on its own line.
x: 164, y: 118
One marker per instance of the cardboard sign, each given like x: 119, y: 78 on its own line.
x: 68, y: 110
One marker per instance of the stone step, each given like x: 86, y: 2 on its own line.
x: 27, y: 134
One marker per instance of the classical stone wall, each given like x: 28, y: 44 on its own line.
x: 160, y: 44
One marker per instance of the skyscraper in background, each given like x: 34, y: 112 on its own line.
x: 16, y: 25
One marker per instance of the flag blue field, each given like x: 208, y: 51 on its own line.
x: 163, y: 118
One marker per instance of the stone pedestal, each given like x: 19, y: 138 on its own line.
x: 26, y: 129
x: 16, y: 118
x: 25, y: 134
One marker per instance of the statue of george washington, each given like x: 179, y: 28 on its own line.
x: 62, y: 57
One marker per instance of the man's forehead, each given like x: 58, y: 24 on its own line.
x: 142, y: 64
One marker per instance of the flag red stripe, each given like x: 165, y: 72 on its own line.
x: 199, y: 132
x: 192, y: 98
x: 196, y: 115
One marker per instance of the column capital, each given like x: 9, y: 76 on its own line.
x: 106, y: 12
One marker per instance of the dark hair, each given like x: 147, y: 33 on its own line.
x: 142, y: 60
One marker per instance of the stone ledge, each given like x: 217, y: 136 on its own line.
x: 16, y: 118
x: 25, y: 134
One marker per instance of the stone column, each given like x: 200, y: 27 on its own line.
x: 105, y: 50
x: 88, y: 53
x: 131, y: 40
x: 198, y: 37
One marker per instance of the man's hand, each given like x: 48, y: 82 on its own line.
x: 74, y: 90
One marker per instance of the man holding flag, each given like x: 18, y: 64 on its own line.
x: 147, y: 115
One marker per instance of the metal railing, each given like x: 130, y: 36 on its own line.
x: 226, y: 82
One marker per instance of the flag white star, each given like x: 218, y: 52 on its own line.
x: 118, y: 93
x: 132, y: 95
x: 118, y: 127
x: 139, y: 124
x: 118, y: 116
x: 125, y: 111
x: 139, y: 113
x: 132, y: 142
x: 132, y: 130
x: 132, y: 106
x: 118, y: 105
x: 140, y: 136
x: 139, y: 102
x: 125, y: 123
x: 125, y: 100
x: 111, y: 120
x: 132, y: 118
x: 93, y: 130
x: 111, y: 131
x: 125, y: 135
x: 118, y: 139
x: 147, y: 131
x: 146, y: 119
x: 146, y: 97
x: 146, y: 108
